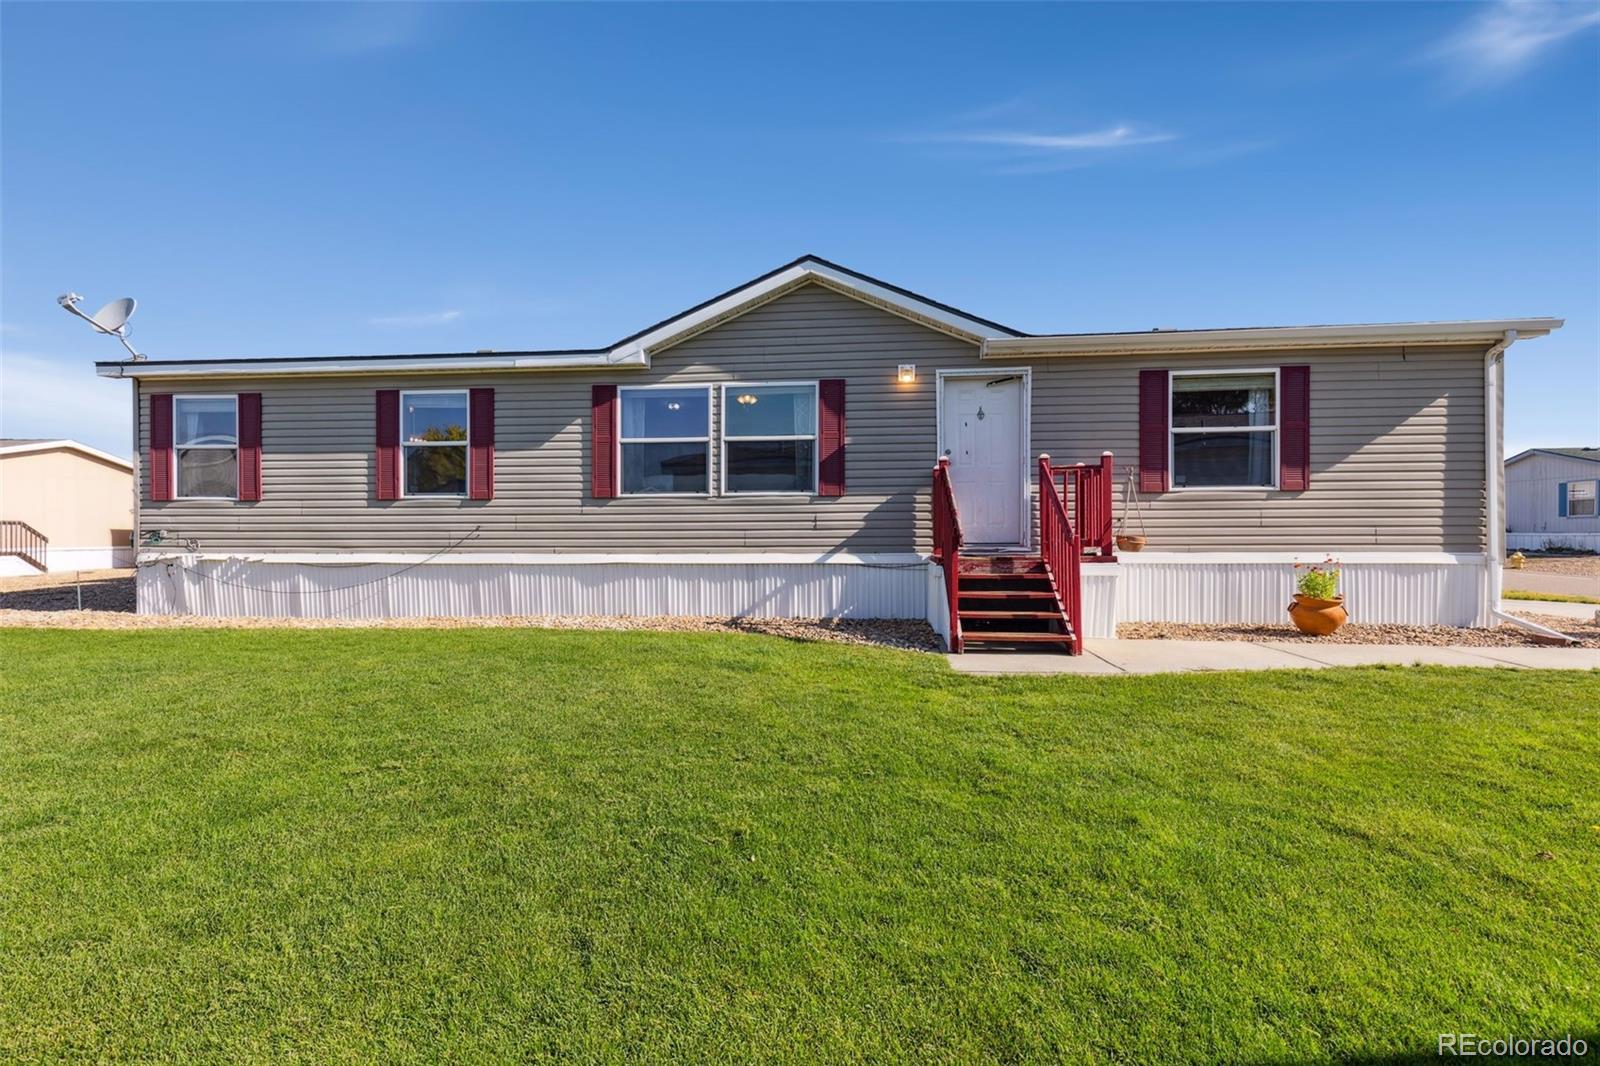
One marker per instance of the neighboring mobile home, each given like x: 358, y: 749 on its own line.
x: 773, y: 451
x: 1553, y: 499
x: 63, y: 506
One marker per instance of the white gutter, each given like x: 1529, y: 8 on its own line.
x: 1494, y: 505
x: 407, y: 364
x: 1275, y: 338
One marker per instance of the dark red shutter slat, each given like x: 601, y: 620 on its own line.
x: 830, y: 437
x: 1153, y: 431
x: 603, y: 480
x: 249, y: 446
x: 1294, y: 445
x: 160, y: 461
x: 388, y: 444
x: 481, y: 461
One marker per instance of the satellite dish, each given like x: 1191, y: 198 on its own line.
x: 114, y: 315
x: 111, y: 319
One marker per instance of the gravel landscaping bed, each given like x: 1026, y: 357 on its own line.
x: 887, y: 633
x: 1560, y: 563
x: 1504, y: 636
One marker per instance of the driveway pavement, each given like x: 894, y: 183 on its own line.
x: 1178, y: 656
x: 1561, y: 584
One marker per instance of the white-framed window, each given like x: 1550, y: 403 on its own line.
x: 205, y: 447
x: 434, y: 425
x: 1581, y: 499
x: 664, y: 434
x: 1223, y: 429
x: 769, y: 438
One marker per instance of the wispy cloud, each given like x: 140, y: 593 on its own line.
x: 368, y: 27
x: 41, y: 396
x: 1505, y: 39
x: 1110, y: 137
x: 422, y: 318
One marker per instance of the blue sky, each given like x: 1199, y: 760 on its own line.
x: 295, y: 179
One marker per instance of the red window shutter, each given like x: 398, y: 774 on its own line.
x: 1294, y: 443
x: 604, y: 479
x: 388, y: 444
x: 481, y: 446
x: 249, y: 446
x: 1153, y: 431
x: 160, y: 459
x: 830, y: 437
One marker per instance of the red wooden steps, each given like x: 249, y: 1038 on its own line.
x: 1009, y: 600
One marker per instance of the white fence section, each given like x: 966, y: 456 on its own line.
x: 280, y: 589
x: 1427, y: 589
x: 1526, y: 542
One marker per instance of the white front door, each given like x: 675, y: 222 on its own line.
x: 981, y: 423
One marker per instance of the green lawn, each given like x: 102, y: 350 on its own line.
x: 493, y: 844
x: 1549, y: 597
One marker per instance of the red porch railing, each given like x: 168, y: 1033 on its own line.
x: 947, y: 545
x: 1061, y: 548
x: 25, y: 542
x: 1086, y: 490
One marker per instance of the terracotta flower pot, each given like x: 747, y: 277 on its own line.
x: 1316, y: 617
x: 1128, y: 542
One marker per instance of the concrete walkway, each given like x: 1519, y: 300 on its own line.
x: 1176, y: 656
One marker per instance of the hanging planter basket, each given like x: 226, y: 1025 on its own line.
x: 1131, y: 542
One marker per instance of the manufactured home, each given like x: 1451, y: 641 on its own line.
x: 63, y: 506
x: 1553, y: 499
x: 821, y: 443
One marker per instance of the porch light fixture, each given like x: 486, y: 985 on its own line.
x: 746, y: 399
x: 907, y: 373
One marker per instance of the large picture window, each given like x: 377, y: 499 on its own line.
x: 769, y: 438
x: 205, y: 438
x: 433, y: 433
x: 1224, y: 429
x: 665, y: 437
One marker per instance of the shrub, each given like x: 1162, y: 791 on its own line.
x: 1319, y: 584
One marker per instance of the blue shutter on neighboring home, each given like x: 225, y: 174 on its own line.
x: 1561, y: 499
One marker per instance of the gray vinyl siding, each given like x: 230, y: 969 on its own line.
x: 318, y: 434
x: 1533, y: 494
x: 1397, y: 452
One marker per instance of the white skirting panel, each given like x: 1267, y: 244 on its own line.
x: 1424, y: 590
x: 59, y: 560
x: 1526, y: 542
x: 1101, y: 584
x: 260, y: 588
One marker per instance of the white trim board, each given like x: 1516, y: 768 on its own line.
x: 1267, y: 338
x: 1337, y: 557
x: 151, y: 556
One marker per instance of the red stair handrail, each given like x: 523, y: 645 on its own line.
x: 1061, y: 549
x: 1088, y: 491
x: 947, y: 544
